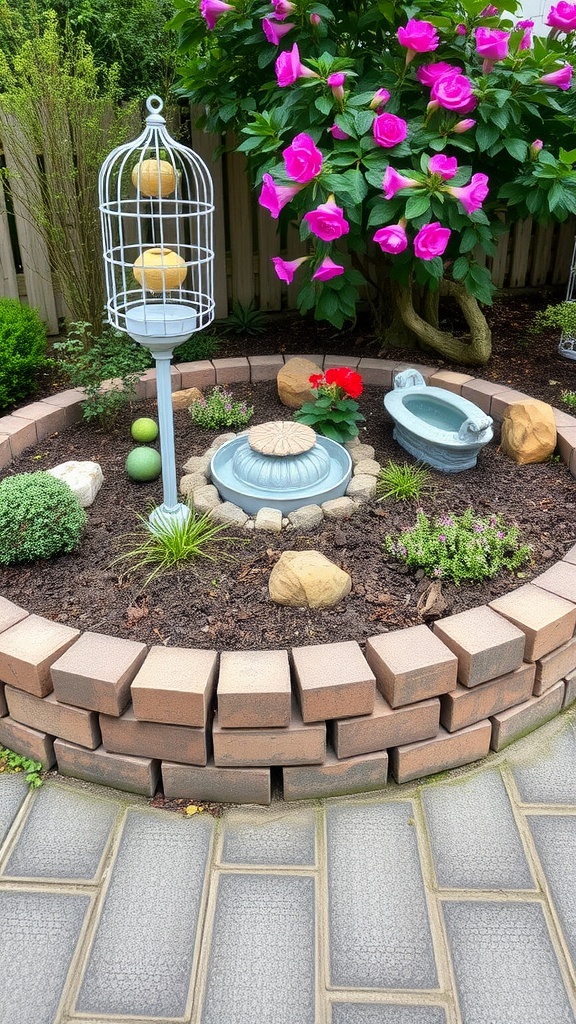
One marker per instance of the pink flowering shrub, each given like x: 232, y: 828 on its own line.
x: 397, y: 146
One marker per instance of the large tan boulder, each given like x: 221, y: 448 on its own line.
x: 528, y: 431
x: 307, y: 579
x: 184, y: 399
x: 292, y: 381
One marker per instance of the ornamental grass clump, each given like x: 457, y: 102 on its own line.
x: 220, y: 410
x: 464, y: 549
x: 402, y: 482
x: 40, y: 516
x: 334, y: 413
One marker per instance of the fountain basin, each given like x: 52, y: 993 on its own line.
x: 254, y: 480
x: 437, y: 427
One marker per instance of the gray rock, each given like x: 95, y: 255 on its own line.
x: 269, y: 519
x: 192, y: 481
x: 197, y: 464
x: 206, y: 498
x: 229, y: 513
x: 367, y: 467
x: 362, y: 487
x: 308, y: 517
x: 360, y: 452
x: 339, y: 508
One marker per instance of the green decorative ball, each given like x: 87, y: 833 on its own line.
x: 143, y: 464
x: 144, y: 430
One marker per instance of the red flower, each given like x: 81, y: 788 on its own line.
x: 316, y: 380
x: 345, y: 378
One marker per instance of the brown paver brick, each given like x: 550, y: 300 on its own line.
x: 70, y: 401
x: 331, y: 362
x: 298, y: 743
x: 464, y: 706
x: 480, y: 392
x: 254, y: 689
x: 48, y: 419
x: 448, y: 380
x: 411, y: 665
x: 175, y: 685
x: 199, y: 374
x: 524, y: 718
x: 47, y: 715
x: 265, y: 367
x: 503, y: 399
x: 486, y: 644
x: 570, y: 690
x: 3, y: 704
x: 333, y: 681
x: 566, y: 441
x: 546, y: 619
x: 183, y: 743
x: 22, y: 433
x: 378, y: 372
x: 385, y: 727
x: 5, y: 451
x: 559, y: 579
x: 29, y: 648
x: 570, y: 555
x: 232, y: 370
x: 562, y: 418
x: 336, y: 778
x: 10, y: 614
x: 29, y: 742
x: 555, y: 666
x: 221, y: 785
x: 446, y: 750
x: 134, y: 774
x: 97, y: 672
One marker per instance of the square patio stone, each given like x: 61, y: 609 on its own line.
x: 29, y: 648
x: 546, y: 619
x: 175, y: 685
x: 254, y: 689
x: 97, y: 672
x: 333, y: 681
x: 411, y: 665
x: 486, y: 644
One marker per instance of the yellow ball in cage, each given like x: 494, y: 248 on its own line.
x: 154, y: 177
x: 159, y: 270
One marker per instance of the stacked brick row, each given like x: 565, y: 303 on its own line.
x: 326, y: 719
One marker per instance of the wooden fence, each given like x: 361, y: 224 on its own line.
x: 246, y: 239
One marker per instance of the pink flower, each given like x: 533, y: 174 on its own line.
x: 288, y: 66
x: 391, y: 239
x: 286, y: 269
x: 336, y: 83
x: 337, y: 132
x: 393, y: 182
x: 453, y: 92
x: 430, y: 73
x: 461, y: 29
x: 389, y: 130
x: 327, y: 269
x: 536, y: 148
x: 492, y: 43
x: 274, y: 197
x: 282, y: 8
x: 302, y: 160
x: 327, y: 221
x: 562, y: 17
x: 211, y: 10
x: 562, y: 77
x: 315, y: 20
x: 418, y: 36
x: 526, y: 41
x: 431, y: 241
x: 473, y: 195
x: 463, y: 126
x: 379, y: 99
x: 489, y: 12
x: 274, y: 31
x: 444, y: 166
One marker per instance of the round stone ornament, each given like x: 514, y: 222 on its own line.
x: 281, y: 438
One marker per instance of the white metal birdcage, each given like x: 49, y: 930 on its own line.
x: 567, y: 345
x: 156, y: 208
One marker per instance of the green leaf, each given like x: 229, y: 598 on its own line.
x: 355, y: 185
x: 517, y: 148
x: 363, y: 121
x: 486, y: 135
x: 416, y: 206
x: 460, y: 268
x: 323, y: 104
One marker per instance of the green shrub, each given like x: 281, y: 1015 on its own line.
x: 22, y: 350
x: 39, y: 516
x: 466, y: 548
x: 200, y: 346
x: 13, y: 763
x: 569, y: 399
x: 220, y: 410
x: 402, y: 482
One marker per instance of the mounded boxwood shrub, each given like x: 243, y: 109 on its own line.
x: 22, y: 350
x: 40, y: 516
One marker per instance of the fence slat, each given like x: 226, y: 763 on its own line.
x: 499, y: 262
x: 8, y: 279
x: 564, y: 247
x: 205, y: 144
x: 241, y: 232
x: 522, y: 234
x: 269, y: 288
x: 542, y: 254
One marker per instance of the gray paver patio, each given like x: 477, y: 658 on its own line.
x: 445, y: 902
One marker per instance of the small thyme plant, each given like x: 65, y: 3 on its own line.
x: 220, y: 410
x: 334, y: 413
x: 402, y: 482
x: 464, y: 549
x: 13, y: 763
x: 569, y: 399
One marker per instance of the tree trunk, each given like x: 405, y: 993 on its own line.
x: 475, y: 352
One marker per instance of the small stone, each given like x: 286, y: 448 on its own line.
x: 249, y: 524
x: 183, y: 399
x: 197, y: 464
x: 284, y: 521
x: 229, y: 514
x: 293, y: 382
x: 362, y: 487
x: 268, y: 519
x: 206, y: 498
x: 432, y: 604
x: 83, y: 478
x: 352, y: 443
x: 307, y: 579
x: 308, y: 517
x: 340, y: 539
x: 220, y: 440
x: 360, y: 452
x: 528, y: 431
x: 339, y: 508
x: 367, y: 467
x: 192, y: 481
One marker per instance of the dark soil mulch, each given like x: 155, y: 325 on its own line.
x: 225, y: 604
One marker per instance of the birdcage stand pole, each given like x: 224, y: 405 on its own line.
x: 171, y: 511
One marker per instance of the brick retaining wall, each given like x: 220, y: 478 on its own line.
x: 333, y: 718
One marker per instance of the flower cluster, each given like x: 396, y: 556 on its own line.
x: 338, y: 382
x: 219, y: 410
x: 334, y: 412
